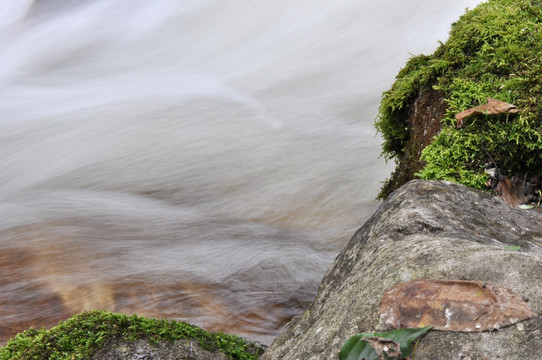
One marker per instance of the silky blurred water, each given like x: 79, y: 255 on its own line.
x: 196, y: 160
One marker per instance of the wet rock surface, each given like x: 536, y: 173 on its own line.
x: 427, y: 230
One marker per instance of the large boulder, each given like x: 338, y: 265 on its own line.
x: 427, y: 230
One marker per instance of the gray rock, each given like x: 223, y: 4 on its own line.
x: 142, y: 350
x: 431, y: 230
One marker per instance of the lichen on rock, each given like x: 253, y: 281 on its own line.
x: 494, y: 51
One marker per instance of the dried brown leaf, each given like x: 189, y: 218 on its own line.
x: 452, y: 305
x: 493, y: 107
x: 510, y: 192
x: 385, y: 348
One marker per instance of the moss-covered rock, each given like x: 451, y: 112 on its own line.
x: 494, y: 50
x: 87, y: 334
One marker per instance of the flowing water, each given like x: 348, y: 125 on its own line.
x: 198, y: 159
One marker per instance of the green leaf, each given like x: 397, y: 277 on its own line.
x: 356, y: 348
x: 405, y: 337
x: 514, y: 248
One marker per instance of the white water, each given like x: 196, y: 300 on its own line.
x: 198, y: 160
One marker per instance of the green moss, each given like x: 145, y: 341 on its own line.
x: 82, y: 335
x: 493, y: 51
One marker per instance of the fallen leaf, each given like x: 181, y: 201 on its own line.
x: 452, y: 305
x: 510, y: 192
x: 493, y: 107
x: 385, y: 348
x: 356, y: 347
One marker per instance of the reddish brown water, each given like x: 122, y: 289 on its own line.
x: 52, y: 270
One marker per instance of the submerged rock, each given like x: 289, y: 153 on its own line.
x: 426, y: 230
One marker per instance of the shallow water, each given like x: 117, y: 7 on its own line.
x: 194, y: 160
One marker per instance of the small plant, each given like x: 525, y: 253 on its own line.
x: 394, y: 345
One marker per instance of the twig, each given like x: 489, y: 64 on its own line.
x: 493, y: 160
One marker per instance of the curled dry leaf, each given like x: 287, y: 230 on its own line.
x: 510, y: 191
x: 452, y: 305
x: 493, y: 107
x: 358, y: 347
x: 385, y: 348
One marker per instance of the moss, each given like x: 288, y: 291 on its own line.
x: 82, y: 335
x: 494, y: 50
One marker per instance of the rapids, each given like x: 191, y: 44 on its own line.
x: 198, y: 159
